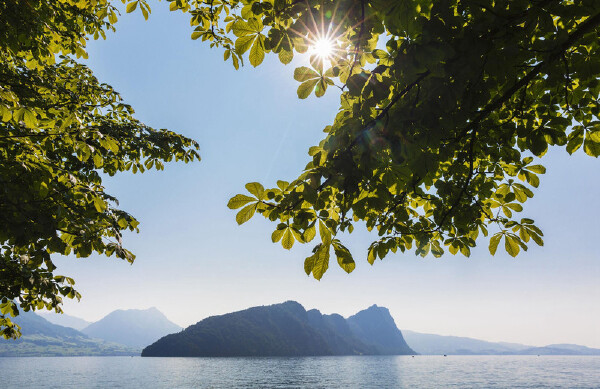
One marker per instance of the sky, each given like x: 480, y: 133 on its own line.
x: 194, y: 261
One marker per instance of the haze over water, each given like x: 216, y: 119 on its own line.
x: 313, y: 372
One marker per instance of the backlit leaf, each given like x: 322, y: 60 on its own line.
x: 239, y: 200
x: 245, y: 214
x: 288, y: 239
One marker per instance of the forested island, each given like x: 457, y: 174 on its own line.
x: 285, y: 329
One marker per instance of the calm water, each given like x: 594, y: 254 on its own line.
x: 313, y: 372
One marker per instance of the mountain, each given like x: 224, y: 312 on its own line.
x: 42, y: 338
x: 430, y: 344
x: 133, y: 327
x: 561, y: 349
x: 337, y: 334
x: 285, y: 329
x: 376, y: 326
x: 65, y: 320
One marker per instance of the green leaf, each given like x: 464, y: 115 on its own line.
x: 306, y: 88
x: 309, y: 264
x: 283, y: 185
x: 344, y: 257
x: 310, y: 233
x: 245, y: 214
x: 242, y: 28
x: 321, y: 88
x: 286, y: 56
x: 356, y: 83
x: 539, y: 169
x: 5, y: 113
x: 304, y: 73
x: 256, y: 189
x: 277, y: 234
x: 145, y: 11
x: 112, y: 17
x: 325, y: 233
x: 257, y: 52
x: 131, y: 6
x: 297, y: 235
x: 239, y: 200
x: 494, y: 240
x: 536, y: 238
x: 6, y: 308
x: 575, y: 141
x: 99, y: 204
x: 515, y: 207
x: 511, y: 245
x: 244, y: 43
x: 99, y: 161
x: 372, y: 255
x: 321, y: 261
x: 288, y: 239
x: 591, y: 148
x: 29, y: 119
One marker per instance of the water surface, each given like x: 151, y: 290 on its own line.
x: 303, y: 372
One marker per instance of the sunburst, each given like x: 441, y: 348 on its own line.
x: 322, y: 36
x: 322, y: 47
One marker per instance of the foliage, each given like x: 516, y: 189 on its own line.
x: 61, y: 130
x: 444, y: 105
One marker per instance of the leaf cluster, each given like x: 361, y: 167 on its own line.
x: 445, y: 108
x: 60, y: 129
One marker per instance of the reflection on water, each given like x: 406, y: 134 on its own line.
x: 313, y: 372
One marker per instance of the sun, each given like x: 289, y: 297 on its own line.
x: 323, y: 48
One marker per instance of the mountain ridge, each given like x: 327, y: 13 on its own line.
x: 285, y: 329
x: 432, y: 344
x: 132, y: 327
x: 43, y: 338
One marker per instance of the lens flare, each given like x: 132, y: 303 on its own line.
x: 323, y: 48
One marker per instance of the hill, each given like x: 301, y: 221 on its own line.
x: 133, y: 327
x: 430, y: 344
x: 42, y: 338
x: 285, y: 329
x: 561, y: 349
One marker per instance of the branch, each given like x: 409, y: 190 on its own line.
x: 567, y: 82
x: 585, y: 27
x: 386, y: 109
x: 467, y: 181
x: 357, y: 45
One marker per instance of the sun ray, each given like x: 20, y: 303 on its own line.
x: 323, y: 38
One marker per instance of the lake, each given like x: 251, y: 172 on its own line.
x: 300, y: 372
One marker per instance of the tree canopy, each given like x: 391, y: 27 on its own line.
x: 61, y: 130
x: 444, y: 107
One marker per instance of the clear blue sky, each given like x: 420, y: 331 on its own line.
x: 194, y: 261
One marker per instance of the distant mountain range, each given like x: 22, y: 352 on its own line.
x: 430, y: 344
x: 122, y: 332
x: 42, y: 338
x: 133, y: 327
x: 285, y: 329
x: 281, y: 329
